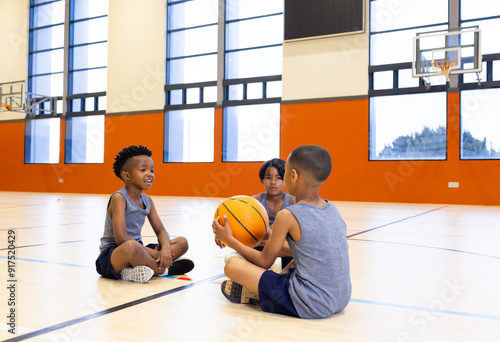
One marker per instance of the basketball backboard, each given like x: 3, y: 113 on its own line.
x: 461, y: 46
x: 12, y: 96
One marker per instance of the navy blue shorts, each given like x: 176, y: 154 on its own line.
x: 273, y: 293
x: 103, y: 263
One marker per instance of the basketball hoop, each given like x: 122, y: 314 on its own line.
x: 444, y: 66
x: 6, y: 106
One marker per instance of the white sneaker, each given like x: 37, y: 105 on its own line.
x: 138, y: 274
x: 276, y: 267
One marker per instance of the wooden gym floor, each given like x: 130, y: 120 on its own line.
x: 419, y: 273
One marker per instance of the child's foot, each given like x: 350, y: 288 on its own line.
x: 181, y: 266
x: 138, y: 274
x: 236, y: 293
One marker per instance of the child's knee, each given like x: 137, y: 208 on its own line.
x: 182, y: 242
x: 130, y: 247
x: 231, y: 265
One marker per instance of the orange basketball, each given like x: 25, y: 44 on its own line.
x: 247, y: 218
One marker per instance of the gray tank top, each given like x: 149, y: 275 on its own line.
x: 320, y: 285
x: 287, y: 201
x: 134, y: 219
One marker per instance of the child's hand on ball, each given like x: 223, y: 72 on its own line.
x: 222, y: 233
x: 219, y: 242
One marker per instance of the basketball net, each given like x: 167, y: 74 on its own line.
x: 444, y: 67
x: 6, y: 106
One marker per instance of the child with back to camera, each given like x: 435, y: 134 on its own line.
x: 318, y: 284
x: 122, y: 253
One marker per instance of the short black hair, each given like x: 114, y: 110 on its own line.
x: 312, y: 159
x: 127, y: 153
x: 277, y: 163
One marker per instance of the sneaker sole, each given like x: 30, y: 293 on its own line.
x: 238, y: 294
x: 138, y: 274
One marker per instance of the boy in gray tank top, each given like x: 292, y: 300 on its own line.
x: 317, y: 283
x: 122, y: 253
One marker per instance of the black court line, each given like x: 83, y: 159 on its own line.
x: 394, y: 222
x: 108, y: 311
x: 431, y: 247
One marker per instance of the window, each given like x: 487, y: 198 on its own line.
x: 190, y: 135
x: 480, y: 119
x: 473, y: 9
x: 88, y: 54
x: 46, y: 50
x: 191, y: 90
x: 45, y: 80
x: 192, y: 38
x: 407, y: 119
x: 42, y: 141
x: 252, y: 86
x: 85, y: 139
x: 85, y: 67
x: 241, y: 74
x: 480, y: 126
x: 382, y: 46
x: 489, y: 38
x: 389, y: 15
x: 408, y: 127
x: 251, y: 132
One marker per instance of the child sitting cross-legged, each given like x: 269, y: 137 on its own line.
x: 316, y: 284
x: 122, y: 253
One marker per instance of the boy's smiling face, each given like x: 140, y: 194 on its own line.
x: 139, y: 171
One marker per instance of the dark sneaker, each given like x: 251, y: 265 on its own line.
x: 181, y: 266
x: 236, y: 293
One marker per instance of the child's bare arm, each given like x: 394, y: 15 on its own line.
x: 277, y: 245
x: 164, y: 257
x: 117, y: 208
x: 264, y: 259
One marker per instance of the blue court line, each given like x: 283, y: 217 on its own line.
x: 430, y: 247
x: 419, y: 233
x: 416, y: 308
x: 110, y: 310
x: 50, y: 262
x: 394, y: 222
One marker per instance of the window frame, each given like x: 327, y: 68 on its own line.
x: 222, y: 83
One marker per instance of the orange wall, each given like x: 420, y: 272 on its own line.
x: 342, y: 128
x: 339, y: 126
